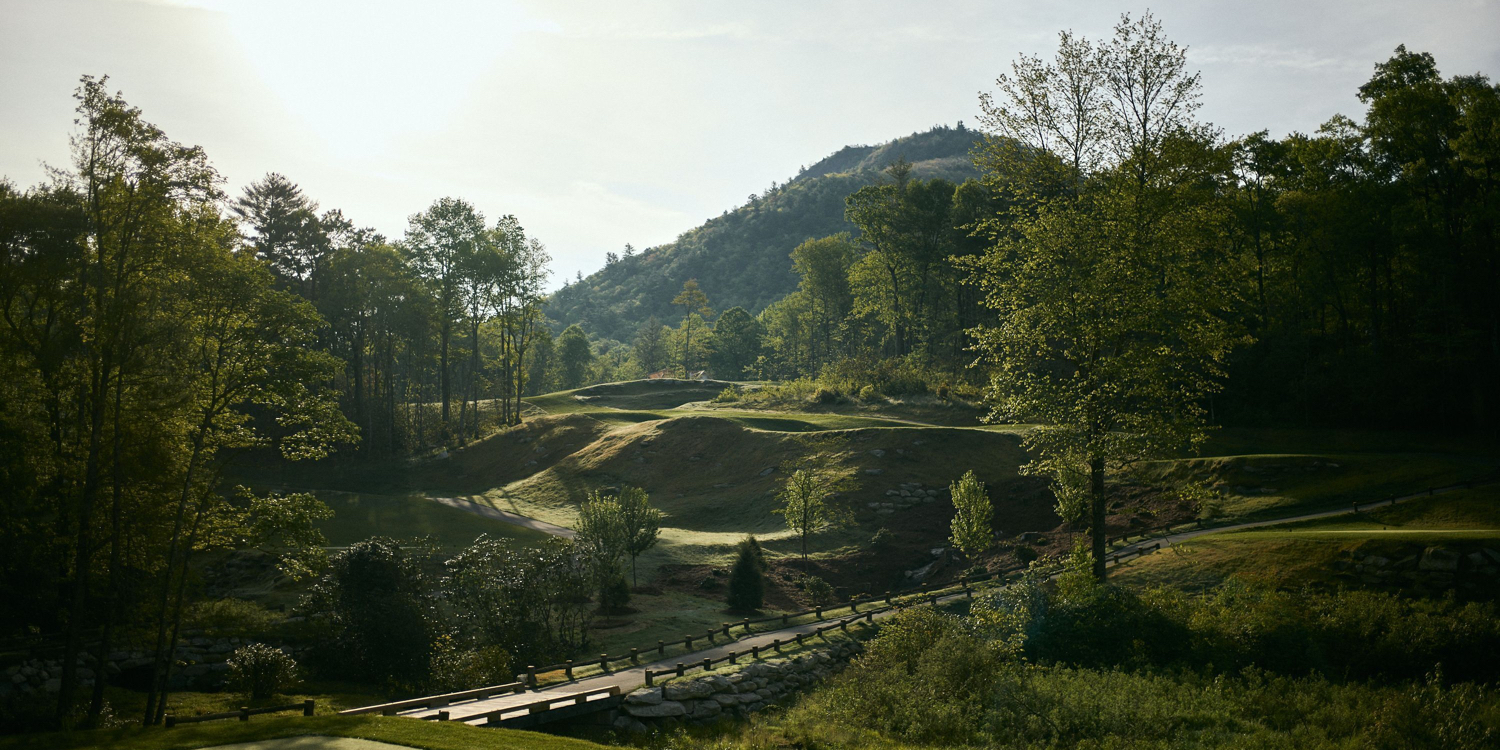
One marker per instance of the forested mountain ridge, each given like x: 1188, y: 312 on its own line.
x: 742, y: 257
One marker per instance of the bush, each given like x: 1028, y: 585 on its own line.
x: 882, y: 539
x: 614, y: 595
x: 726, y: 396
x: 867, y: 393
x: 825, y: 395
x: 376, y: 613
x: 943, y: 392
x: 818, y: 591
x: 261, y: 671
x: 1024, y: 555
x: 231, y: 617
x: 454, y: 668
x: 747, y: 586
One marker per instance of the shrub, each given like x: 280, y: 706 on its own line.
x: 237, y: 617
x: 261, y: 671
x: 377, y: 615
x: 867, y: 393
x: 1024, y: 555
x: 882, y: 539
x: 825, y: 395
x: 747, y: 586
x: 726, y: 396
x: 614, y: 594
x: 943, y: 392
x: 454, y: 668
x: 818, y: 591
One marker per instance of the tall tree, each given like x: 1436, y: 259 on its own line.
x: 439, y: 244
x: 972, y: 534
x: 805, y: 507
x: 285, y: 230
x: 651, y: 346
x: 1113, y: 300
x: 736, y: 343
x: 694, y: 302
x: 641, y: 521
x: 573, y: 356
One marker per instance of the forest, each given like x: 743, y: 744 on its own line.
x: 1087, y: 289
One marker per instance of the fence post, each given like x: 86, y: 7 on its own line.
x: 661, y: 648
x: 679, y: 669
x: 726, y: 630
x: 442, y: 716
x: 531, y: 676
x: 783, y: 620
x: 747, y: 626
x: 755, y: 652
x: 733, y: 655
x: 870, y: 617
x: 635, y: 655
x: 568, y: 669
x: 171, y: 721
x: 711, y: 636
x: 776, y: 644
x: 244, y: 713
x: 648, y: 678
x: 854, y: 604
x: 307, y: 707
x: 799, y: 639
x: 604, y: 662
x: 708, y: 664
x: 887, y: 597
x: 818, y: 612
x: 688, y: 641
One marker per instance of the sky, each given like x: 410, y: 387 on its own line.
x: 605, y: 123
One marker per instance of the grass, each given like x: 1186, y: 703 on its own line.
x: 1304, y: 552
x: 427, y: 735
x: 359, y: 516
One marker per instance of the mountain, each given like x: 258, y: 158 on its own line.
x: 743, y: 256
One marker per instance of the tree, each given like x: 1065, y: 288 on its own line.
x: 573, y: 356
x: 602, y: 538
x: 1113, y: 300
x: 747, y: 584
x: 651, y: 346
x: 285, y: 230
x: 439, y: 244
x: 694, y: 302
x: 377, y: 613
x: 736, y: 343
x: 804, y: 506
x: 971, y: 518
x: 641, y: 521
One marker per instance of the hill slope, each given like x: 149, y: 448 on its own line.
x: 741, y: 257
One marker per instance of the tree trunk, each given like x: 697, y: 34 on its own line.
x: 444, y: 334
x: 1096, y: 522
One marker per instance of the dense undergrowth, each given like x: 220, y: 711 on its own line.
x: 1075, y: 664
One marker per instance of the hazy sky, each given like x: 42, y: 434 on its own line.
x: 602, y: 123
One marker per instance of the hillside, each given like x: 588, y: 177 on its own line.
x: 742, y: 257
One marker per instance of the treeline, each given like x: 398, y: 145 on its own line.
x: 152, y: 330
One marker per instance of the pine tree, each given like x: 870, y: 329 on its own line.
x: 747, y: 586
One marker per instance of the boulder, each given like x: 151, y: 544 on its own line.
x: 705, y: 710
x: 727, y: 699
x: 658, y: 711
x: 688, y: 690
x: 650, y: 696
x: 718, y: 682
x: 1439, y: 559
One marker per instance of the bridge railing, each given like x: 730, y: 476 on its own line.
x: 437, y: 701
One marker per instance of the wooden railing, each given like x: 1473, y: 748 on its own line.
x: 243, y: 714
x: 437, y: 701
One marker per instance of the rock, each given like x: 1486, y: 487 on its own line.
x: 768, y: 471
x: 1493, y: 555
x: 658, y: 711
x: 17, y: 678
x: 650, y: 696
x: 705, y: 710
x: 1439, y: 559
x: 53, y: 685
x: 886, y: 511
x: 878, y: 453
x: 727, y: 699
x: 719, y: 683
x: 1476, y: 558
x: 938, y: 551
x: 688, y: 690
x: 1377, y: 561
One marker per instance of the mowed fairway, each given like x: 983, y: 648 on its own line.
x: 1296, y: 553
x: 360, y: 515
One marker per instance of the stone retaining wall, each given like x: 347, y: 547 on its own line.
x: 711, y: 697
x: 200, y: 664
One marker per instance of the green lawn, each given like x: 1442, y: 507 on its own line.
x: 1296, y: 553
x: 427, y: 735
x: 359, y: 516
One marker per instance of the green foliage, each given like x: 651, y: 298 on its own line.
x: 736, y: 343
x: 819, y: 592
x: 231, y: 617
x: 614, y: 594
x: 804, y: 506
x: 641, y: 523
x: 454, y: 668
x: 971, y: 531
x: 530, y: 601
x: 573, y: 356
x: 260, y: 671
x: 375, y: 614
x: 747, y: 582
